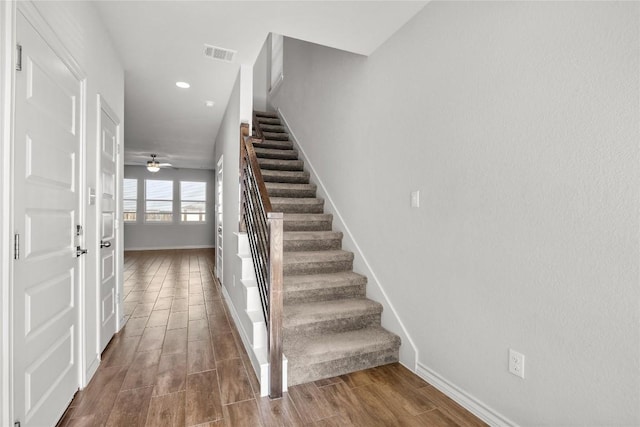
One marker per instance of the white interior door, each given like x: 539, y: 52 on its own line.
x: 46, y: 279
x: 219, y: 221
x: 108, y: 193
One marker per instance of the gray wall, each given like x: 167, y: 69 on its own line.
x: 176, y: 235
x: 518, y: 123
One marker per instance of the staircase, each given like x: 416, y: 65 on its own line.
x: 329, y: 328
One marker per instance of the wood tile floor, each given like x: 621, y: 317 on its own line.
x: 179, y: 362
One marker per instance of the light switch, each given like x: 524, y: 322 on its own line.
x: 415, y: 199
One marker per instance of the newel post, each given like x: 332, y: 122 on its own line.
x: 276, y: 276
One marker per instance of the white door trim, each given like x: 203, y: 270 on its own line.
x: 219, y: 192
x: 7, y: 44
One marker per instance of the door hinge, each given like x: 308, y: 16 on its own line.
x: 16, y: 246
x: 18, y: 57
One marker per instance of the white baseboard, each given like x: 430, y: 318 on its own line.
x: 469, y: 402
x: 408, y: 357
x: 166, y: 248
x: 91, y: 370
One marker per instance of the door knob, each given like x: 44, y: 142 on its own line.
x: 80, y: 251
x: 104, y: 244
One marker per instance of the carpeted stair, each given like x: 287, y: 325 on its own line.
x: 330, y: 327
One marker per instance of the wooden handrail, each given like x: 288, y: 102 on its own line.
x: 253, y: 158
x: 265, y: 230
x: 256, y: 127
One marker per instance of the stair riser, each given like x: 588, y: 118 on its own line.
x: 301, y: 372
x: 297, y: 208
x: 307, y: 225
x: 284, y: 165
x: 291, y: 192
x: 329, y: 294
x: 277, y: 154
x: 312, y: 245
x: 317, y: 267
x: 329, y: 326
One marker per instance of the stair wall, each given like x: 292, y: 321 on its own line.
x: 374, y: 289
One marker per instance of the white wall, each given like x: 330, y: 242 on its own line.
x: 518, y: 123
x: 175, y: 235
x: 261, y: 78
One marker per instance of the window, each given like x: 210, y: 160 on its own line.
x: 158, y: 201
x: 130, y: 200
x: 193, y: 201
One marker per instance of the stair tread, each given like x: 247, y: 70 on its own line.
x: 312, y: 235
x: 290, y: 185
x: 307, y: 216
x: 279, y: 164
x: 313, y: 312
x: 322, y: 348
x: 317, y: 256
x: 296, y: 200
x: 293, y: 177
x: 273, y: 144
x: 322, y: 280
x: 269, y: 127
x: 269, y: 153
x: 267, y: 114
x: 297, y: 204
x: 276, y: 135
x: 268, y: 120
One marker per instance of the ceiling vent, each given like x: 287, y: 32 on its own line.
x: 219, y: 53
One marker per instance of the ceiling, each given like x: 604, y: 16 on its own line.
x: 162, y: 42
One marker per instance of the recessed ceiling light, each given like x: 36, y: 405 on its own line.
x: 209, y: 103
x: 183, y: 85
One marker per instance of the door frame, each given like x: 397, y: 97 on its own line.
x: 218, y: 223
x: 8, y: 12
x: 7, y: 43
x: 103, y: 105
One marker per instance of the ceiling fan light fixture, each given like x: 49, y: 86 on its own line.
x: 152, y: 165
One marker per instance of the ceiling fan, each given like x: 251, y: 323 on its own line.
x: 154, y: 166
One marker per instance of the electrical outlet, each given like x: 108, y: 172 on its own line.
x: 516, y: 363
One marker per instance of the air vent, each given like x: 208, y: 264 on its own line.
x: 219, y: 53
